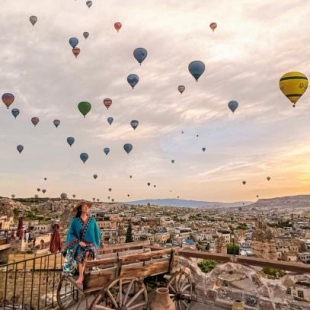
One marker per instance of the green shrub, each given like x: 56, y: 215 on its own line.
x: 275, y: 272
x: 207, y: 265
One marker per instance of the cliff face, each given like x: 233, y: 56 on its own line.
x: 302, y: 201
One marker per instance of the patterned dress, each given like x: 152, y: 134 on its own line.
x: 78, y: 231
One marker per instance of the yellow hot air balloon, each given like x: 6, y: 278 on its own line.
x: 293, y: 85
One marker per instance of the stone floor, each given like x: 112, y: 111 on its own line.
x: 200, y: 306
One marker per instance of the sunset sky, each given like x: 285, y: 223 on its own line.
x: 254, y: 44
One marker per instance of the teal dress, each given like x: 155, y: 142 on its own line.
x: 78, y: 231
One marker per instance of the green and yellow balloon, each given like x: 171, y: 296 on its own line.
x: 293, y: 85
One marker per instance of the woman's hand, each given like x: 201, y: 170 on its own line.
x: 82, y: 244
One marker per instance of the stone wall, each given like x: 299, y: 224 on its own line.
x: 29, y: 287
x: 267, y: 296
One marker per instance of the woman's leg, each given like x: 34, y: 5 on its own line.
x: 81, y: 270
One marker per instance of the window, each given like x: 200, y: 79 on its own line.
x: 300, y: 294
x: 289, y: 291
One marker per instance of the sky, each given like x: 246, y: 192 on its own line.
x: 254, y: 44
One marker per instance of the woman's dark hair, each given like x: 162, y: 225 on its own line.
x: 78, y: 211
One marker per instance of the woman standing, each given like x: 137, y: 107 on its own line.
x: 82, y: 242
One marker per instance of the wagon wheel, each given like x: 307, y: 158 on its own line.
x: 180, y: 289
x: 68, y: 293
x: 123, y: 293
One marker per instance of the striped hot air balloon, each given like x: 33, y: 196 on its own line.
x: 293, y: 85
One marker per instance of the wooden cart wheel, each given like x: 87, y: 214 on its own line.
x: 123, y: 293
x: 68, y: 293
x: 180, y: 290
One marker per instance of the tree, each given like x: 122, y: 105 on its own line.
x: 129, y: 237
x: 232, y: 249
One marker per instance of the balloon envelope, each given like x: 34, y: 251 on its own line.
x: 134, y: 124
x: 89, y: 3
x: 106, y: 150
x: 133, y: 80
x: 268, y: 178
x: 203, y: 149
x: 95, y: 176
x: 20, y: 148
x: 15, y: 112
x: 76, y: 51
x: 140, y: 54
x: 86, y: 34
x: 73, y: 42
x: 33, y: 20
x: 70, y: 140
x: 181, y: 88
x: 84, y: 157
x: 63, y: 196
x: 110, y: 120
x: 293, y: 85
x: 243, y: 182
x: 107, y: 102
x: 172, y: 160
x: 8, y: 99
x: 117, y: 26
x: 35, y: 121
x: 233, y: 105
x: 128, y: 147
x: 84, y: 107
x: 56, y: 122
x: 213, y: 26
x: 196, y: 68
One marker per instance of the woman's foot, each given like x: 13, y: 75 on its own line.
x: 79, y: 281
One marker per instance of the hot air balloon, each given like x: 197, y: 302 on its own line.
x: 154, y: 185
x: 133, y: 80
x: 148, y: 184
x: 33, y: 20
x: 63, y: 196
x: 243, y: 182
x: 35, y: 121
x: 134, y: 124
x: 84, y: 157
x: 56, y: 122
x: 112, y: 199
x: 172, y: 160
x: 127, y: 147
x: 140, y: 54
x: 76, y: 51
x: 15, y: 112
x: 268, y: 178
x: 73, y: 42
x: 128, y: 195
x: 13, y: 196
x: 117, y: 26
x: 84, y: 107
x: 95, y: 176
x: 85, y: 34
x: 107, y: 102
x: 43, y: 191
x: 89, y: 3
x: 233, y: 105
x: 197, y: 136
x: 293, y: 85
x: 203, y: 149
x: 110, y: 120
x: 20, y: 148
x: 8, y: 99
x: 106, y: 150
x: 196, y: 68
x: 130, y: 176
x: 213, y: 26
x: 70, y: 140
x: 110, y: 189
x: 181, y: 89
x: 45, y: 179
x: 73, y: 195
x: 38, y: 189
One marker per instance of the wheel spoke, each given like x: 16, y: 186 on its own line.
x: 120, y: 292
x: 185, y: 287
x: 141, y: 304
x: 112, y: 299
x: 135, y: 297
x: 100, y: 307
x: 128, y: 290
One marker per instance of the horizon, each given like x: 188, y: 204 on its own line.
x: 187, y: 145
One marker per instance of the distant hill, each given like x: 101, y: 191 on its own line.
x: 302, y: 201
x: 189, y: 203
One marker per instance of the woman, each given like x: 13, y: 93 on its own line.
x: 83, y: 240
